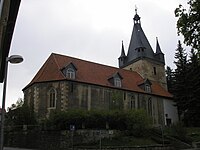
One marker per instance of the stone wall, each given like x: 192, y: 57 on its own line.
x: 150, y: 69
x: 62, y: 140
x: 74, y: 95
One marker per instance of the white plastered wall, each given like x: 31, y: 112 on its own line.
x: 170, y: 111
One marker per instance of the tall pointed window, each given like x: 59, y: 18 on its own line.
x: 154, y: 70
x: 150, y: 106
x: 70, y: 73
x: 132, y: 102
x: 52, y: 98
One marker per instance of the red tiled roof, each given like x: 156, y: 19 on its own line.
x: 92, y: 73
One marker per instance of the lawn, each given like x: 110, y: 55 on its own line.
x: 128, y: 141
x: 194, y: 134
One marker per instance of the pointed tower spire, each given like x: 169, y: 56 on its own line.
x: 159, y: 54
x: 122, y: 51
x: 122, y: 58
x: 139, y: 46
x: 158, y: 49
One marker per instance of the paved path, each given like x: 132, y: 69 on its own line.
x: 12, y: 148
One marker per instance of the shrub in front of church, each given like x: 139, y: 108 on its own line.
x: 135, y: 121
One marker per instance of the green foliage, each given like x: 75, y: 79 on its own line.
x: 194, y: 134
x: 128, y: 141
x: 135, y: 121
x: 20, y: 116
x: 180, y: 89
x: 188, y: 80
x: 117, y: 119
x: 116, y: 100
x: 170, y: 79
x: 188, y: 23
x: 18, y: 104
x: 179, y: 131
x: 186, y: 86
x: 192, y: 114
x: 59, y: 120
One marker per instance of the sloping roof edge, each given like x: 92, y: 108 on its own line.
x: 50, y: 71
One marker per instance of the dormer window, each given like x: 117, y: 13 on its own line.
x: 117, y: 82
x: 70, y: 73
x: 146, y: 85
x: 148, y: 88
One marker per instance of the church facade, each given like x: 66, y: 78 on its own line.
x: 65, y: 83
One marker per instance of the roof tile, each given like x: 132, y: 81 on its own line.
x: 92, y: 73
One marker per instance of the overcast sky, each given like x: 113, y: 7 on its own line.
x: 86, y: 29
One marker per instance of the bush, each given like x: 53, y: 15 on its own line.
x: 135, y: 121
x: 179, y: 131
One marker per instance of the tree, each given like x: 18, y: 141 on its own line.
x: 20, y: 114
x: 18, y: 104
x: 188, y: 102
x: 170, y: 79
x: 192, y: 115
x: 188, y: 23
x: 180, y: 86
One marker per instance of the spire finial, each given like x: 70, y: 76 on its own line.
x: 136, y: 9
x: 136, y: 17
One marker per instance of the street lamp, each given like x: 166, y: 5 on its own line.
x: 14, y: 59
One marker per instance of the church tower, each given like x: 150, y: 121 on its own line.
x: 141, y: 57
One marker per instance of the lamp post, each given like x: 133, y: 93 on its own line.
x: 14, y: 59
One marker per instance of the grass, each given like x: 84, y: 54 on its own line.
x: 194, y: 134
x: 190, y: 134
x: 127, y: 141
x: 122, y: 141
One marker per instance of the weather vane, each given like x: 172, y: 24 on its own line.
x: 136, y: 9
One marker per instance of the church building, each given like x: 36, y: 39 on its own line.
x: 65, y: 83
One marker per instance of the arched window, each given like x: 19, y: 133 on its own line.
x: 70, y: 73
x: 150, y: 106
x: 52, y: 98
x: 132, y: 102
x: 117, y: 82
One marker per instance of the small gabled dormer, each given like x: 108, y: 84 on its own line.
x: 116, y: 80
x: 69, y: 71
x: 146, y: 86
